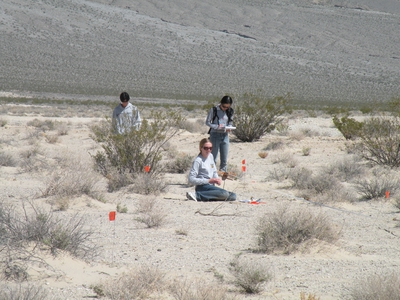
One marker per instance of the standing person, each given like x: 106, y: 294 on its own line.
x: 204, y: 176
x: 126, y: 116
x: 217, y: 119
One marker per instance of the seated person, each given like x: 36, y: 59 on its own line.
x: 204, y: 176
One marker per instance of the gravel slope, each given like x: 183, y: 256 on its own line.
x: 316, y: 50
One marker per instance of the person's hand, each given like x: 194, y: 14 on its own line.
x: 221, y: 126
x: 217, y: 181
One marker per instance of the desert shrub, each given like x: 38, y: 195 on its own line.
x: 349, y: 127
x: 256, y: 115
x: 148, y: 185
x: 198, y: 290
x: 306, y: 151
x: 23, y: 291
x: 7, y: 160
x: 285, y: 230
x: 180, y: 164
x: 122, y: 209
x: 284, y: 157
x: 347, y: 168
x: 128, y: 153
x: 32, y: 160
x: 43, y: 125
x: 23, y: 233
x: 376, y: 186
x: 3, y: 122
x: 152, y: 214
x: 303, y: 296
x: 274, y: 145
x: 51, y: 138
x: 250, y: 276
x: 279, y: 173
x: 135, y: 284
x: 382, y: 287
x: 380, y: 141
x: 71, y: 177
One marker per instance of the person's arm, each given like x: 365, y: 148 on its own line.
x: 209, y: 119
x: 138, y: 121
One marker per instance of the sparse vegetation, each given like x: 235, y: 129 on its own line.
x: 349, y: 127
x: 285, y: 230
x: 249, y: 276
x: 377, y: 185
x: 151, y: 213
x: 383, y: 287
x: 136, y: 284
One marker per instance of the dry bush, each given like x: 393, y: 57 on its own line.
x: 145, y: 184
x: 7, y: 160
x: 249, y: 276
x: 309, y: 297
x: 51, y: 138
x: 198, y: 126
x: 309, y: 132
x: 296, y: 135
x: 279, y: 173
x: 376, y: 185
x: 43, y: 125
x: 286, y: 229
x: 152, y: 213
x: 24, y: 235
x: 306, y: 151
x: 33, y: 160
x: 180, y: 164
x: 23, y: 291
x: 347, y: 169
x: 71, y: 177
x: 3, y: 122
x: 382, y: 287
x: 284, y: 158
x: 274, y: 145
x: 144, y: 283
x: 198, y: 290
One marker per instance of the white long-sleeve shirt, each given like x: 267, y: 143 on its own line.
x: 203, y: 169
x: 126, y: 118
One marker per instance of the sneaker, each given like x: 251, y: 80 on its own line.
x: 191, y: 196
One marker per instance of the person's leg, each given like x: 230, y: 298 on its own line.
x: 224, y: 149
x: 215, y: 140
x: 209, y: 192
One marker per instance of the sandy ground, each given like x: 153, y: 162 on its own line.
x: 368, y: 244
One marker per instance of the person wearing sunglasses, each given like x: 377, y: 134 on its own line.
x: 203, y: 174
x: 126, y: 116
x: 218, y: 118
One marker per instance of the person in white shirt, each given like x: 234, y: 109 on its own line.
x: 204, y: 176
x: 126, y: 116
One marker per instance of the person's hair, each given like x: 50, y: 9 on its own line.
x: 226, y: 100
x: 124, y: 97
x: 204, y: 141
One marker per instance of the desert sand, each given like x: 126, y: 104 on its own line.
x: 368, y: 244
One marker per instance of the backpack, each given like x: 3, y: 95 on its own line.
x: 229, y: 113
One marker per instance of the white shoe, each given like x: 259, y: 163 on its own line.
x: 191, y: 196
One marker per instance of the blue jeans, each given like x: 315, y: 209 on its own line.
x: 209, y: 192
x: 220, y: 142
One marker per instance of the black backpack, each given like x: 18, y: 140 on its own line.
x: 229, y: 113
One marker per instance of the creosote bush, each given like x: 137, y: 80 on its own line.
x: 349, y: 127
x: 130, y: 152
x: 376, y: 186
x: 285, y: 230
x: 256, y: 116
x: 380, y: 141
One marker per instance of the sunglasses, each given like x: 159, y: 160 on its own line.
x: 207, y: 148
